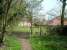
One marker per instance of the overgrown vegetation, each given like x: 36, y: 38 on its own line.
x: 42, y: 37
x: 57, y: 30
x: 53, y: 42
x: 11, y: 43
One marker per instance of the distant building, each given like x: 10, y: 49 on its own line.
x: 57, y: 21
x: 25, y: 22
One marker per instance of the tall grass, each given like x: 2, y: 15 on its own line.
x: 11, y: 43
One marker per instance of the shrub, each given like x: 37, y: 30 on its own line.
x: 57, y: 30
x: 62, y: 30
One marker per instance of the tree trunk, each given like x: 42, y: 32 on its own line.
x: 31, y: 26
x: 6, y: 8
x: 62, y: 16
x: 40, y: 30
x: 2, y: 35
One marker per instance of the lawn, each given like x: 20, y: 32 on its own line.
x: 49, y: 43
x: 35, y: 30
x: 11, y: 43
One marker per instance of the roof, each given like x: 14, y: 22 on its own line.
x: 58, y: 17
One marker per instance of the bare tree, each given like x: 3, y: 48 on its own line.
x: 63, y: 9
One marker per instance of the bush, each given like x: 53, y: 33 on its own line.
x: 57, y: 30
x: 62, y: 30
x: 52, y: 30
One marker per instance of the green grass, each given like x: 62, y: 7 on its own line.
x: 11, y: 43
x: 18, y: 29
x: 46, y: 42
x: 49, y: 43
x: 54, y: 43
x: 36, y: 43
x: 25, y: 29
x: 35, y: 30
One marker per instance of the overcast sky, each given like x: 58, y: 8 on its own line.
x: 48, y: 9
x: 48, y: 5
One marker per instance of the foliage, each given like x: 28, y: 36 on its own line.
x: 52, y: 42
x: 62, y: 30
x: 36, y: 43
x: 11, y: 43
x: 52, y: 30
x: 11, y: 14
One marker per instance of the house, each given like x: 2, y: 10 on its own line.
x: 25, y: 22
x: 57, y: 21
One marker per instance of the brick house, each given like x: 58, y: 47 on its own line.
x: 57, y: 21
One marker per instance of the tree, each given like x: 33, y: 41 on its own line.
x: 62, y: 13
x: 12, y: 11
x: 63, y: 9
x: 9, y: 12
x: 5, y: 6
x: 34, y: 6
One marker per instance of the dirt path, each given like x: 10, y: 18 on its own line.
x: 25, y: 44
x: 23, y: 38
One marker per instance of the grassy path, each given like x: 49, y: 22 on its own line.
x: 22, y: 37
